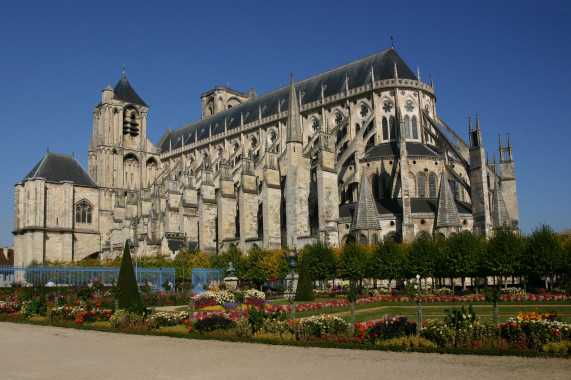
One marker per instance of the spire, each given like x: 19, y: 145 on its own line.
x: 500, y: 216
x: 447, y: 210
x: 477, y: 123
x: 431, y: 82
x: 470, y: 124
x: 500, y: 141
x: 509, y: 141
x: 488, y: 158
x: 418, y: 72
x: 366, y: 216
x: 396, y: 72
x: 293, y: 127
x: 495, y: 162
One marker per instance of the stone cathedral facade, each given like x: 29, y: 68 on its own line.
x: 355, y: 153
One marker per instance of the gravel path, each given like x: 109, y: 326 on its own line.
x: 39, y: 352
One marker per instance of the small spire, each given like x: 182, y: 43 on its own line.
x: 392, y: 42
x: 495, y: 161
x: 470, y: 124
x: 477, y: 123
x: 396, y: 72
x: 488, y: 158
x: 431, y: 82
x: 509, y: 141
x: 418, y: 72
x: 500, y: 141
x: 123, y: 70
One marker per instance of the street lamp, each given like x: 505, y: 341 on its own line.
x: 291, y: 280
x: 418, y: 306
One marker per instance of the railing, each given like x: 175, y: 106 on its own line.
x: 74, y: 276
x: 202, y: 277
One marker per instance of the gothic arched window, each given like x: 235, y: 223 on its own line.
x: 363, y: 239
x: 420, y: 184
x: 393, y: 128
x: 385, y: 129
x: 407, y: 127
x: 83, y: 212
x: 432, y: 185
x: 414, y: 128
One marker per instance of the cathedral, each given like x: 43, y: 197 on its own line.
x: 357, y: 153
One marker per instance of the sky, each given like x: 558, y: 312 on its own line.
x: 507, y: 61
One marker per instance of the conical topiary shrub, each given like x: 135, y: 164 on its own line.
x: 304, y: 290
x: 129, y: 297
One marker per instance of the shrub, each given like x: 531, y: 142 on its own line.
x: 129, y: 297
x: 460, y: 319
x: 318, y: 325
x: 212, y: 323
x: 163, y: 319
x: 407, y: 342
x: 437, y: 332
x: 388, y: 327
x: 242, y: 328
x: 532, y: 334
x: 561, y: 348
x: 123, y: 319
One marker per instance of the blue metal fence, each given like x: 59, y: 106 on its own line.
x: 66, y: 276
x: 202, y: 277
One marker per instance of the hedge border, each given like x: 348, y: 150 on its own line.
x: 277, y: 342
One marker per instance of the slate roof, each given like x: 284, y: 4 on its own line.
x: 500, y: 216
x: 447, y: 211
x: 366, y: 216
x: 391, y: 150
x: 394, y: 207
x: 358, y: 73
x: 124, y: 91
x: 58, y: 168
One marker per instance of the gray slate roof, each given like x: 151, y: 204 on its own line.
x: 392, y: 150
x: 500, y: 216
x: 58, y: 168
x: 124, y: 91
x: 358, y: 73
x: 447, y: 211
x: 366, y: 216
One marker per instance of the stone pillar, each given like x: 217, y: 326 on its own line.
x: 328, y: 196
x: 207, y: 214
x: 271, y: 202
x: 248, y: 203
x: 226, y: 201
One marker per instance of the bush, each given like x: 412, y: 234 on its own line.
x: 318, y: 325
x: 129, y: 297
x: 532, y: 334
x: 438, y: 332
x: 388, y: 327
x: 561, y: 348
x: 212, y: 323
x: 407, y: 342
x: 123, y: 319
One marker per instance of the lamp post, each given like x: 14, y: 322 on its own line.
x: 418, y: 306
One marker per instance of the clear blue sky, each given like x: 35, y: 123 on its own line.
x: 510, y: 63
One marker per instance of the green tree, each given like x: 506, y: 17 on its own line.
x: 320, y: 261
x: 463, y: 251
x: 503, y: 254
x: 129, y: 297
x: 387, y: 261
x: 304, y: 291
x: 544, y: 254
x: 353, y: 262
x: 256, y: 271
x: 423, y: 255
x: 234, y: 255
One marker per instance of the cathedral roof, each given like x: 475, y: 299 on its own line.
x: 447, y: 211
x: 394, y: 207
x: 59, y: 168
x: 500, y: 216
x: 358, y: 73
x: 391, y: 150
x: 366, y: 216
x: 124, y: 91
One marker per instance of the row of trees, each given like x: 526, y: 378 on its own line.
x: 542, y: 254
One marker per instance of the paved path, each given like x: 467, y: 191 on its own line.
x: 39, y: 352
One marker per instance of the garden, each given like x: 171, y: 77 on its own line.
x: 336, y: 304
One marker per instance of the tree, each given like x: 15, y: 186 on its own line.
x: 387, y: 261
x: 462, y: 255
x: 276, y: 264
x: 234, y: 255
x: 304, y: 291
x: 504, y: 253
x: 544, y: 254
x: 129, y: 297
x: 256, y: 271
x: 422, y: 258
x: 320, y: 261
x: 353, y: 262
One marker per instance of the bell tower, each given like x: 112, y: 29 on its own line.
x: 119, y: 153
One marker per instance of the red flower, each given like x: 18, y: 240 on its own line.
x: 272, y: 279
